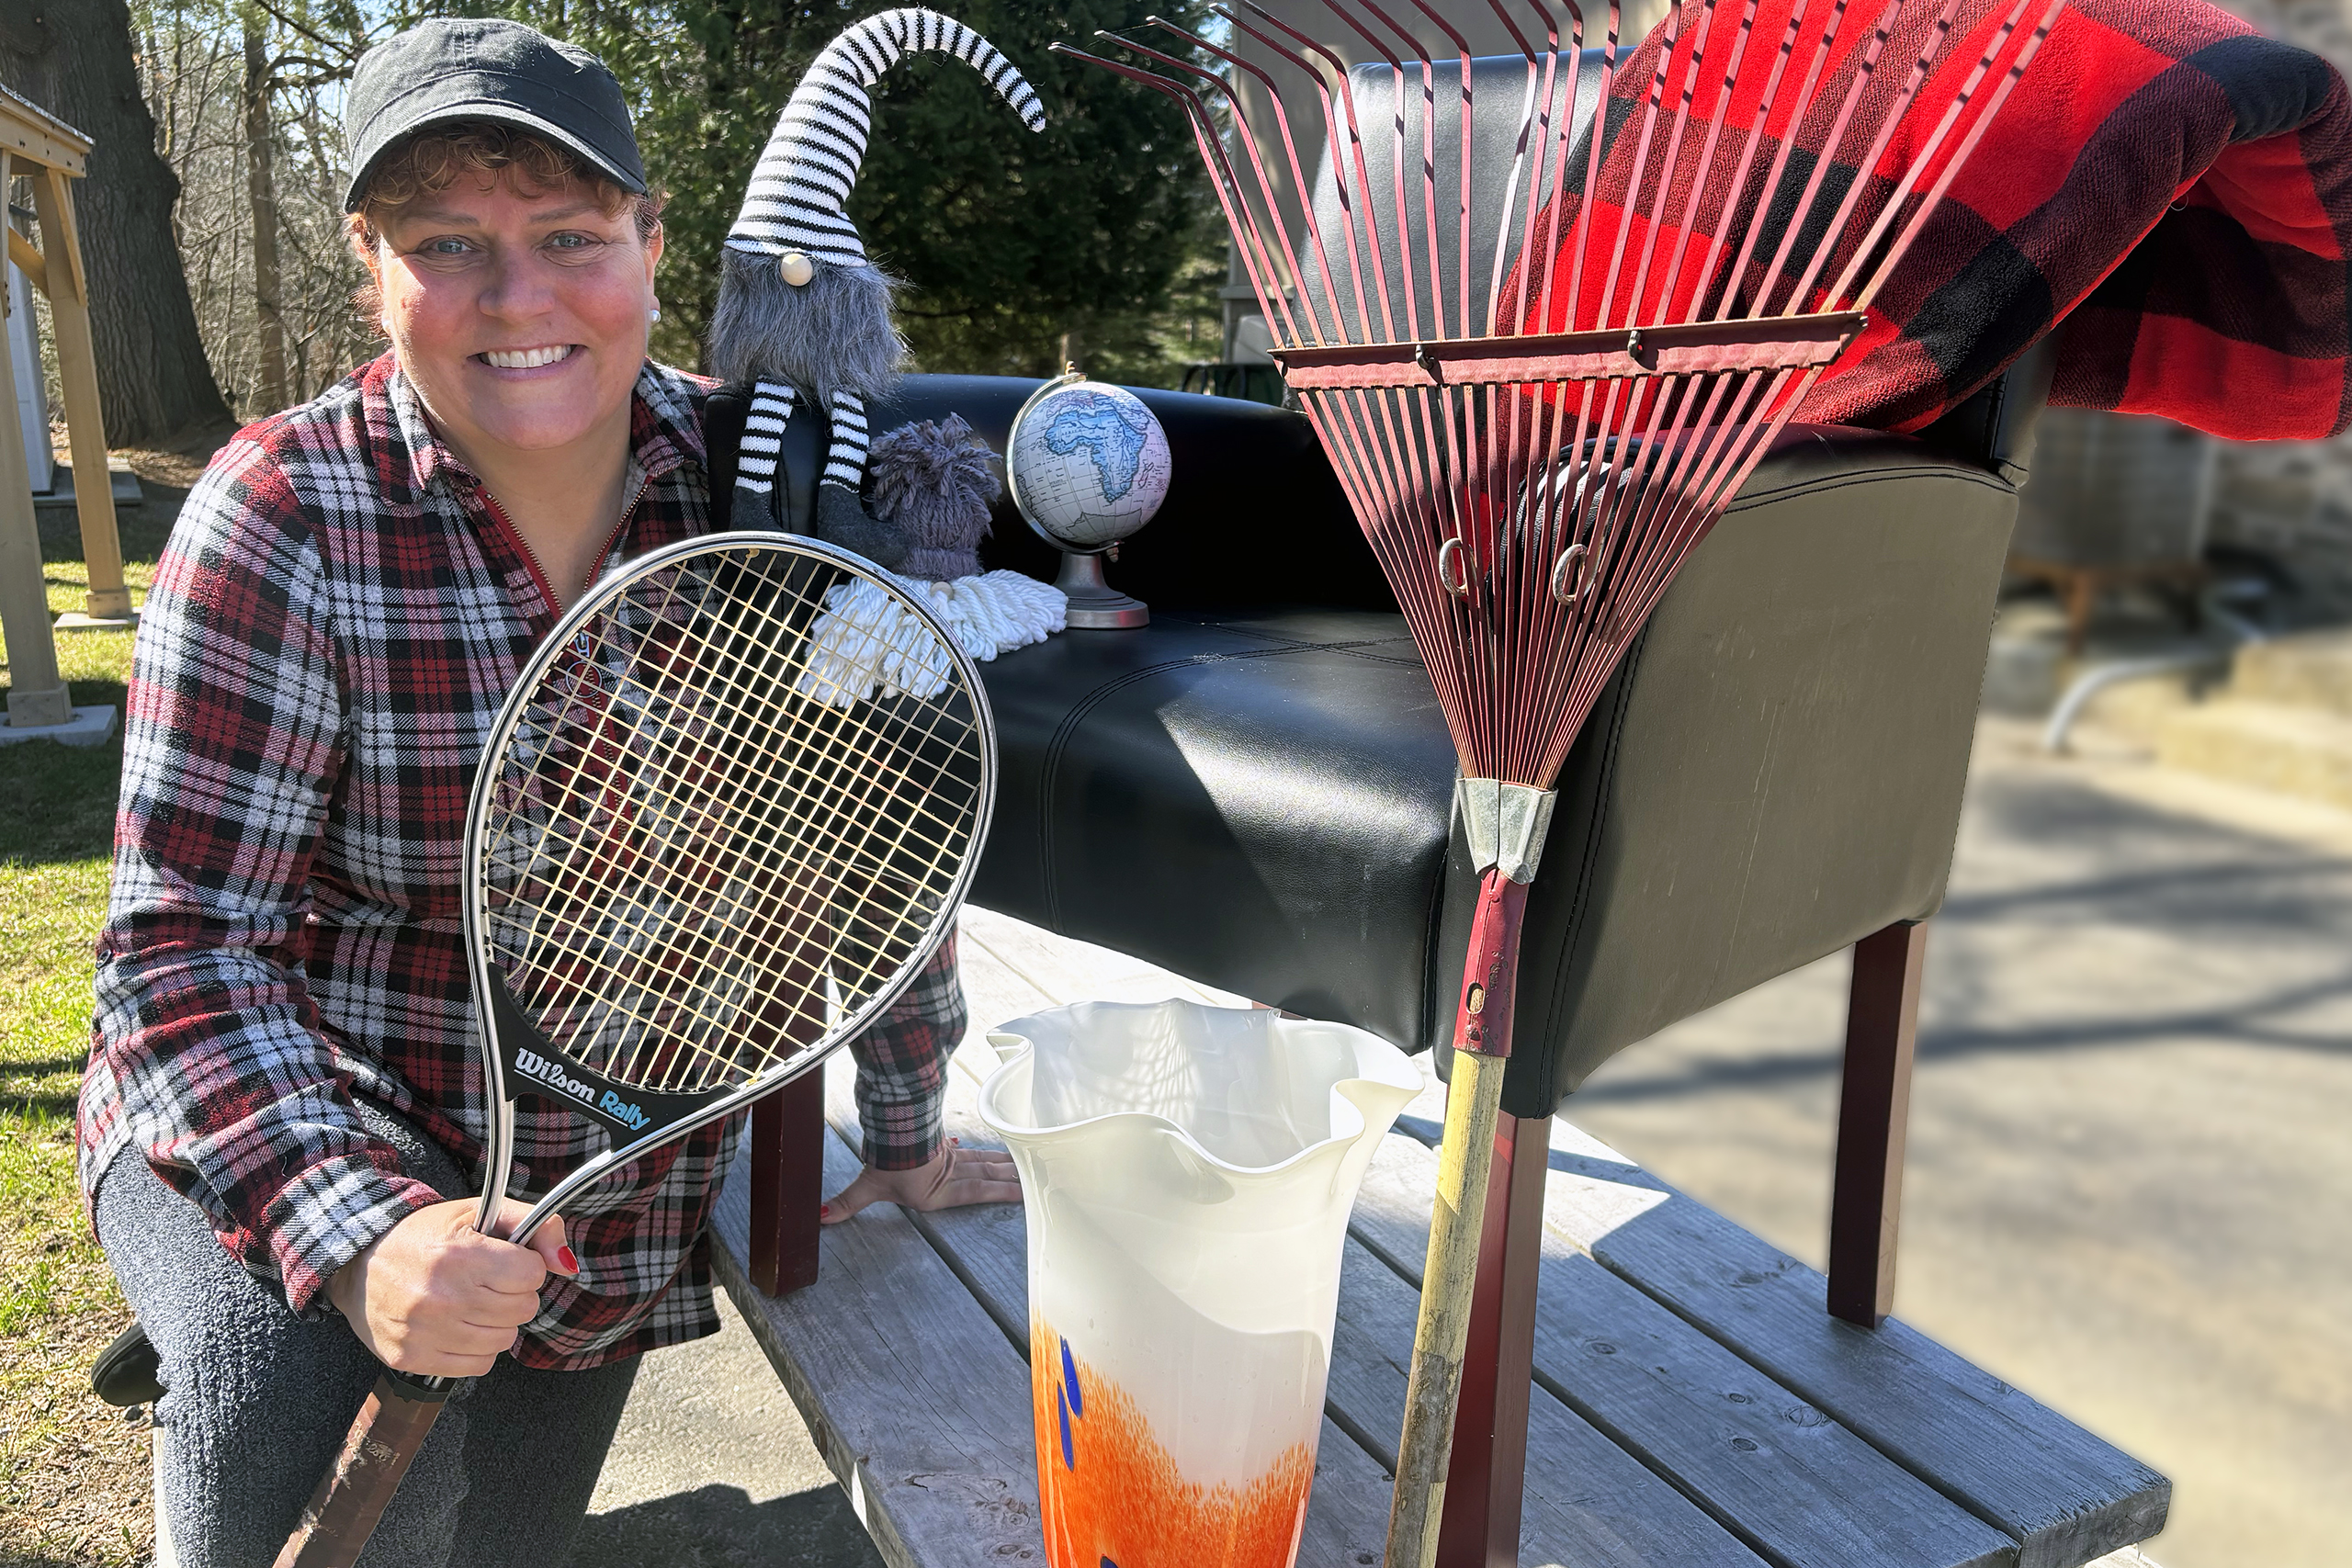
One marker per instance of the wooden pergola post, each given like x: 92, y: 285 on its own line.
x: 35, y: 144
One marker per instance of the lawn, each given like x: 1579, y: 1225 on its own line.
x: 74, y: 1473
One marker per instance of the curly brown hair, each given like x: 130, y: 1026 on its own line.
x: 434, y: 159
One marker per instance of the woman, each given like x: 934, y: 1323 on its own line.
x: 281, y: 1116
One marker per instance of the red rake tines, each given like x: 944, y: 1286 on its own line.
x: 1542, y: 373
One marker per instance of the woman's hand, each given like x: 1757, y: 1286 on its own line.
x: 436, y: 1297
x: 956, y: 1176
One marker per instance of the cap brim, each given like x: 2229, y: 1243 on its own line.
x: 505, y: 114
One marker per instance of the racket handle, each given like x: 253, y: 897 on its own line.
x: 353, y: 1492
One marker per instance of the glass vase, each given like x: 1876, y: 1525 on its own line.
x: 1189, y: 1171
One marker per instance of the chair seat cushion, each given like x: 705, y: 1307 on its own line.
x: 1259, y: 798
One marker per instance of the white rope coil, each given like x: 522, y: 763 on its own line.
x: 865, y: 645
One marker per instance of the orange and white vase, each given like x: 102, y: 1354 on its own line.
x: 1188, y: 1172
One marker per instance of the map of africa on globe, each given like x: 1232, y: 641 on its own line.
x: 1090, y: 465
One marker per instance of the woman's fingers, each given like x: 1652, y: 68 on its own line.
x: 436, y: 1297
x: 871, y: 1187
x: 977, y: 1176
x: 954, y: 1178
x: 548, y: 1241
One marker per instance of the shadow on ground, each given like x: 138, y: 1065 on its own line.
x: 720, y: 1526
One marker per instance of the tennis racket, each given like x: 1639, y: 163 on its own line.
x: 720, y: 824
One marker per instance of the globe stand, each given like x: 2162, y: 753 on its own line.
x: 1094, y: 605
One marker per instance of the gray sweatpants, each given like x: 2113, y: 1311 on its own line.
x: 256, y: 1402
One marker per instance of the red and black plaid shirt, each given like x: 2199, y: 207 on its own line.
x: 330, y: 632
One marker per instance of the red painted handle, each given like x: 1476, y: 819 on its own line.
x: 1490, y: 974
x: 351, y: 1497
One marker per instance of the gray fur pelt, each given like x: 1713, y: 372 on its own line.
x: 934, y: 484
x: 833, y: 333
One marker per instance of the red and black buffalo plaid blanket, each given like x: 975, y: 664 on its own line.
x: 2169, y: 189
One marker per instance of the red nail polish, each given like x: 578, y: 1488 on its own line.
x: 568, y: 1260
x: 824, y: 1211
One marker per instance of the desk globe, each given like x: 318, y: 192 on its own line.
x: 1089, y: 466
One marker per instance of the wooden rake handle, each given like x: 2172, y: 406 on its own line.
x: 353, y: 1494
x: 1450, y: 1277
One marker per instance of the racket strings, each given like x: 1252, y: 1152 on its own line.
x: 720, y: 900
x: 785, y: 849
x: 757, y: 937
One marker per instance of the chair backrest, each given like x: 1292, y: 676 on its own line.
x: 1511, y: 132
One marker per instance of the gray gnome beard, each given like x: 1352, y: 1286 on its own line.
x: 833, y: 333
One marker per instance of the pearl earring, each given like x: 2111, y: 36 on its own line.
x: 653, y: 314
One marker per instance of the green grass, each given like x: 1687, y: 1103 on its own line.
x: 73, y: 1475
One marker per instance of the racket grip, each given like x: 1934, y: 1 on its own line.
x: 353, y: 1492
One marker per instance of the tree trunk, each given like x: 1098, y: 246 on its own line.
x: 73, y: 59
x: 261, y: 190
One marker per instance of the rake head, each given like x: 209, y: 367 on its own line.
x: 1544, y: 346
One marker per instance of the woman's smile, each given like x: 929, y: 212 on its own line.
x: 526, y: 358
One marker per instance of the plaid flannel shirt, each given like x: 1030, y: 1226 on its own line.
x: 330, y: 632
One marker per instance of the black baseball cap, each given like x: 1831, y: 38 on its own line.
x: 474, y: 69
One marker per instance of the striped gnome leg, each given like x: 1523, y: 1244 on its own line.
x: 755, y: 505
x: 841, y: 517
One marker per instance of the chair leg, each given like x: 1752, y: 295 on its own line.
x: 1484, y: 1478
x: 1874, y: 1105
x: 788, y: 1185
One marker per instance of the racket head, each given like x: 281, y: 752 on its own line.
x: 722, y: 820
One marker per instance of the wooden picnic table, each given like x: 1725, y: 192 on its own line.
x: 1693, y: 1403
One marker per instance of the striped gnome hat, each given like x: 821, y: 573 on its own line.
x: 795, y: 203
x: 802, y: 313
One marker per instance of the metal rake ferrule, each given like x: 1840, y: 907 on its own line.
x: 1673, y: 348
x: 1505, y: 823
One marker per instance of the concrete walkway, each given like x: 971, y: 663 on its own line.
x: 2130, y: 1190
x: 712, y: 1468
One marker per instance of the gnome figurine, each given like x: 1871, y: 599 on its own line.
x: 802, y: 313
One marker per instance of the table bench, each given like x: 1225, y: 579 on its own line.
x: 1693, y: 1402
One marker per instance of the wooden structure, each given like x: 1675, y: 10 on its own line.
x: 1688, y: 1399
x: 44, y: 149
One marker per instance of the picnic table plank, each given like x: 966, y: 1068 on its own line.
x: 1068, y: 970
x: 1780, y: 1474
x: 1586, y: 1500
x: 2064, y: 1495
x: 916, y: 1401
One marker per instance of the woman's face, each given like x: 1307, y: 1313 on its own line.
x: 521, y: 319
